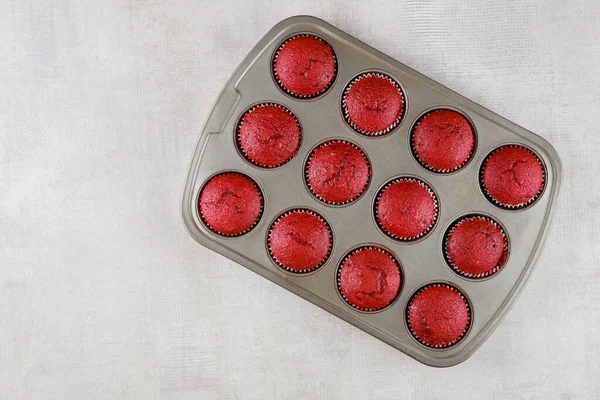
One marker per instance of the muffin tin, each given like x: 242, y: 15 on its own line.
x: 353, y: 224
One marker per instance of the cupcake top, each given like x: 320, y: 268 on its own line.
x: 369, y: 278
x: 476, y: 247
x: 338, y: 172
x: 300, y: 241
x: 230, y: 204
x: 438, y: 316
x: 305, y: 66
x: 269, y: 135
x: 406, y: 209
x: 512, y: 176
x: 443, y: 140
x: 373, y: 104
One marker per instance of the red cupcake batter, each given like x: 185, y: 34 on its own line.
x: 305, y: 66
x: 269, y: 135
x: 406, y: 210
x: 230, y: 204
x: 443, y: 140
x: 513, y: 176
x: 338, y: 172
x: 476, y: 247
x: 370, y: 279
x: 373, y: 104
x: 300, y: 241
x: 438, y: 316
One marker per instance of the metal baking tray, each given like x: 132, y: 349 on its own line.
x: 422, y: 261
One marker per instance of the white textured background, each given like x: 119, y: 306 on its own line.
x: 103, y: 295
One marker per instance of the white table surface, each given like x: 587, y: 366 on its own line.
x: 103, y: 295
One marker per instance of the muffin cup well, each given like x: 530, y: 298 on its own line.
x: 203, y: 219
x: 520, y: 206
x: 280, y: 264
x: 358, y: 250
x: 240, y: 122
x: 457, y: 269
x: 307, y: 164
x: 388, y: 129
x: 297, y: 95
x: 466, y: 329
x: 429, y: 167
x: 435, y: 203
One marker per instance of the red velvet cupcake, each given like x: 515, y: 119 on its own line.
x: 512, y: 176
x: 300, y: 241
x: 369, y: 278
x: 305, y: 66
x: 269, y: 135
x: 337, y: 172
x: 406, y: 209
x: 476, y: 247
x: 443, y: 141
x: 373, y: 104
x: 230, y: 204
x: 438, y: 315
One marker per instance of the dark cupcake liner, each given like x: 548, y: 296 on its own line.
x: 358, y: 250
x: 334, y: 203
x: 389, y: 128
x: 304, y: 96
x: 454, y: 342
x: 489, y: 196
x: 279, y: 263
x: 435, y: 203
x: 457, y: 269
x: 215, y: 231
x: 429, y: 167
x: 241, y: 122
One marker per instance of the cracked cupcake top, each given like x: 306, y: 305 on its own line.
x: 300, y: 241
x: 369, y: 278
x: 269, y: 135
x: 230, y: 204
x: 305, y: 66
x: 476, y: 247
x: 406, y: 209
x: 443, y: 140
x: 438, y: 315
x: 373, y: 104
x: 338, y: 172
x: 513, y: 176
